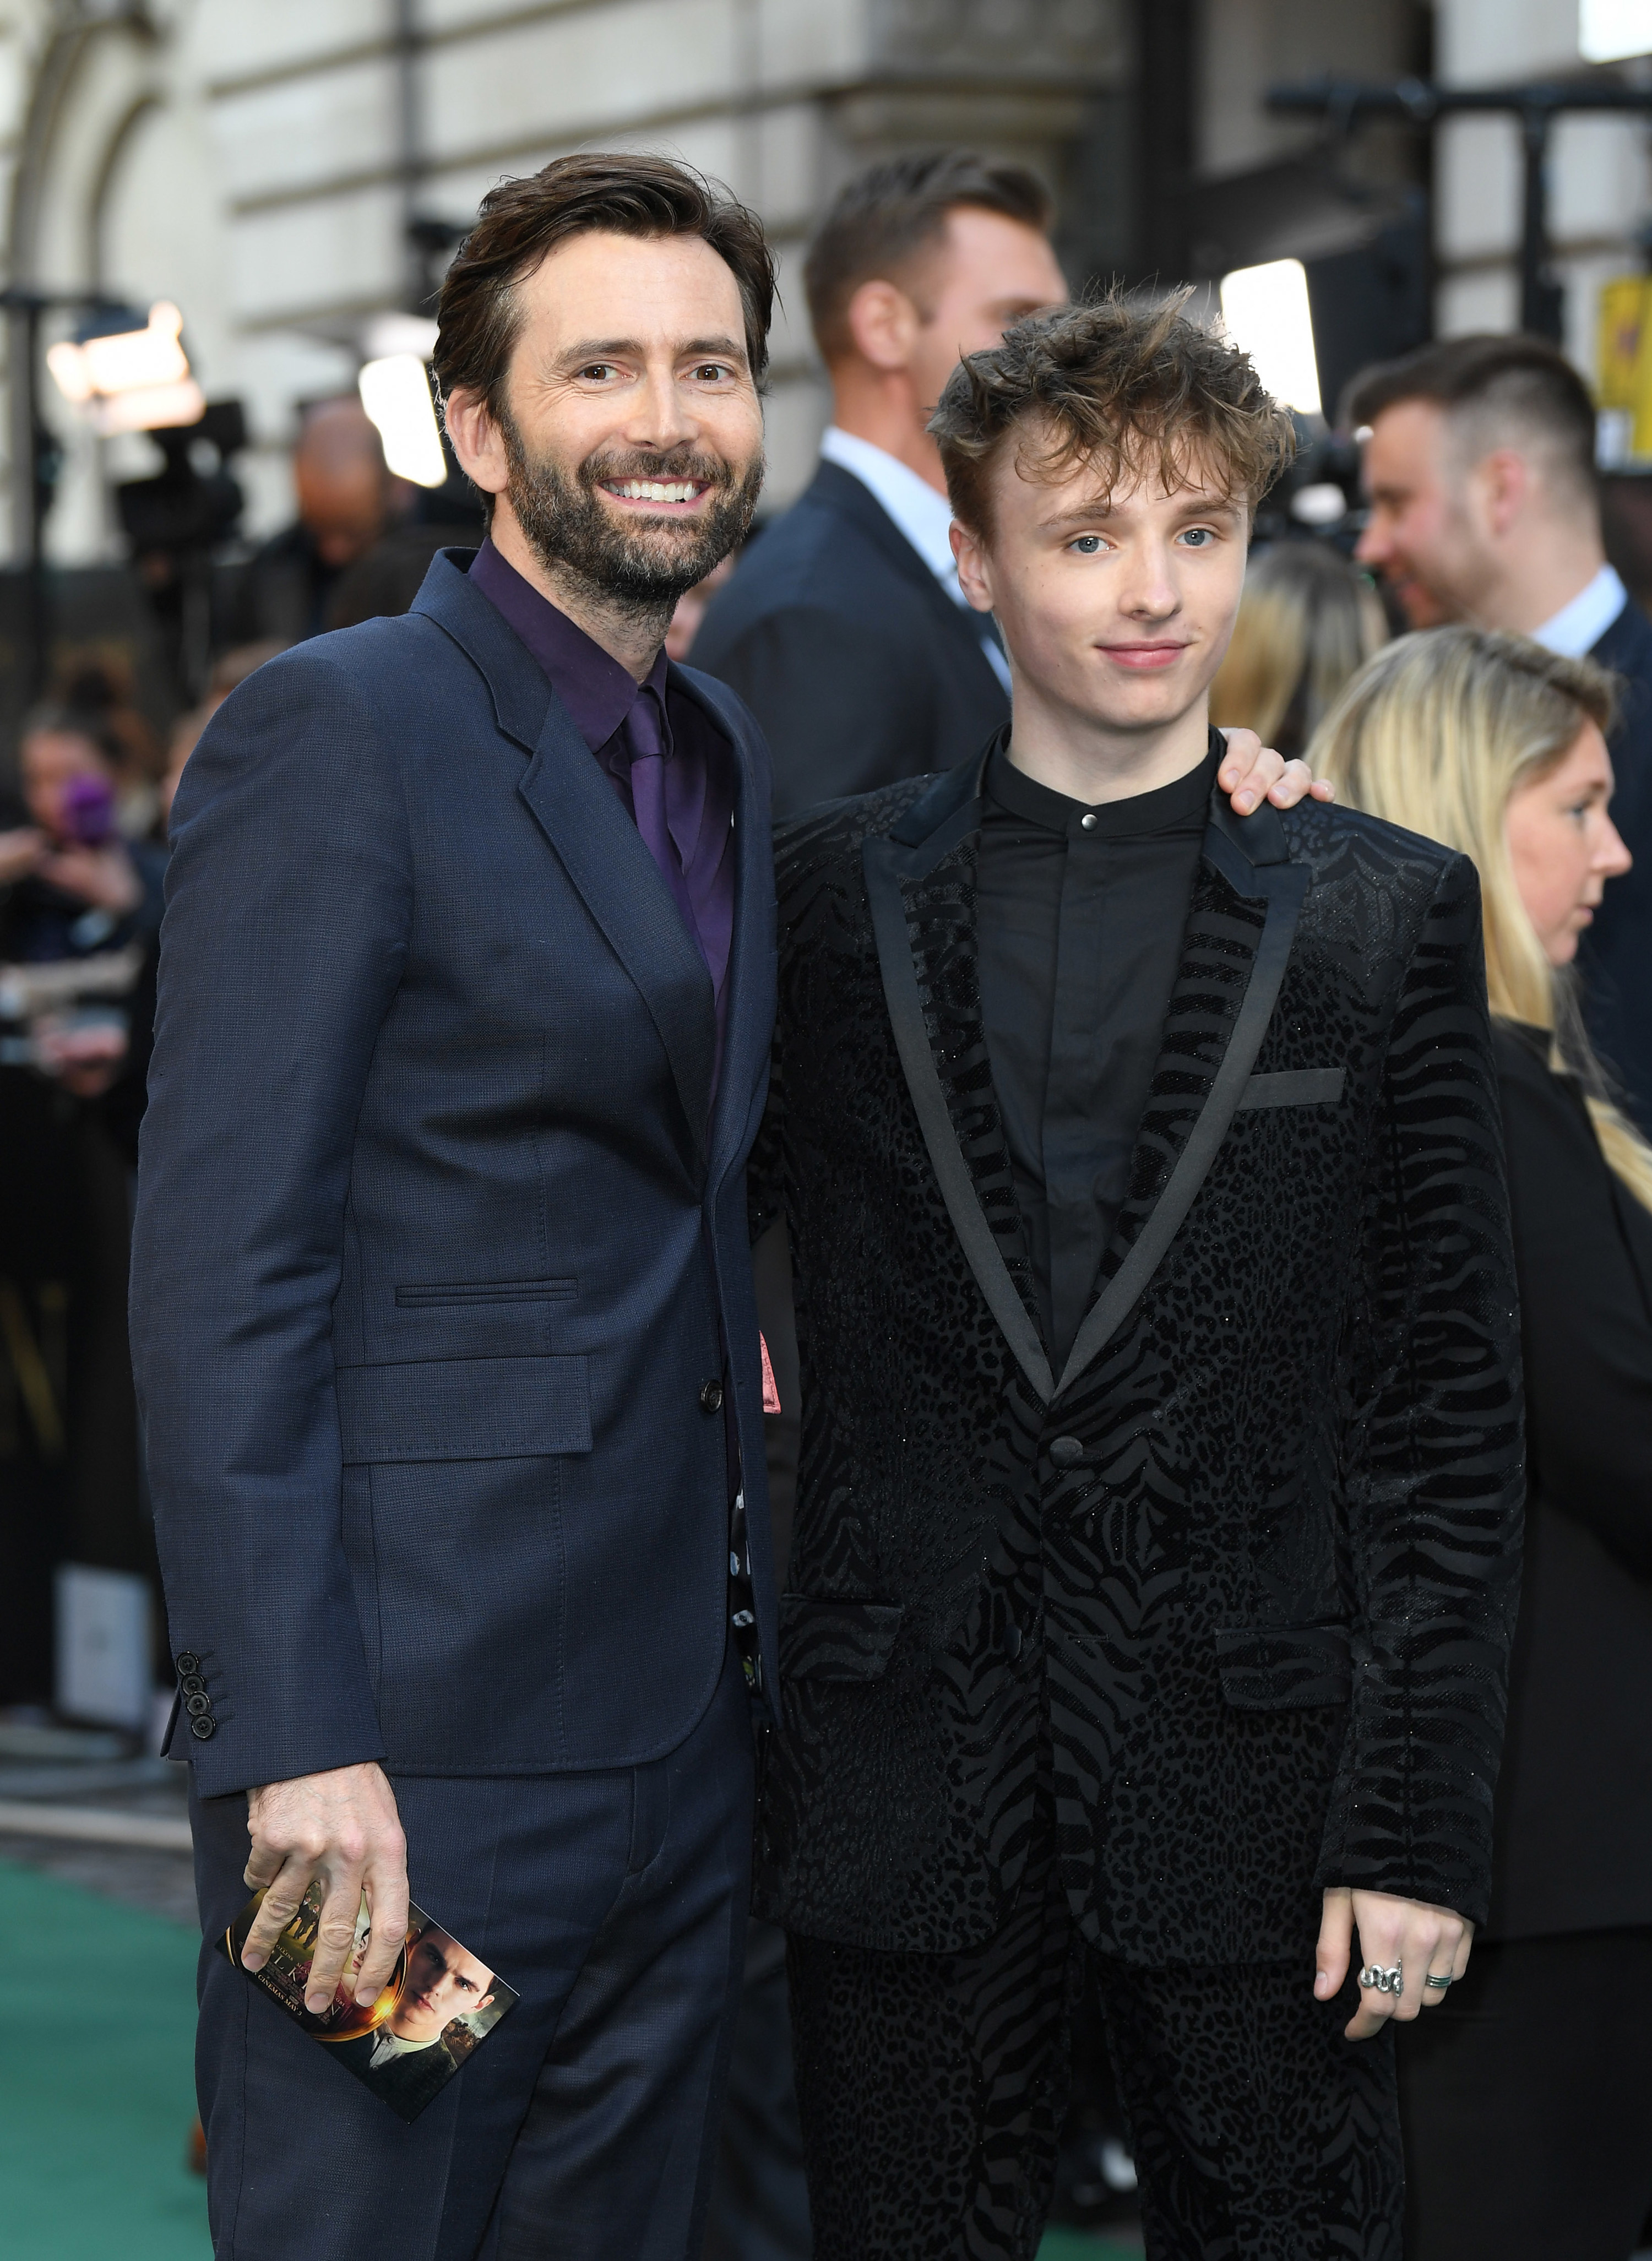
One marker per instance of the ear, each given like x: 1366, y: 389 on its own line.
x: 884, y: 324
x: 1503, y: 481
x: 974, y: 566
x: 476, y: 441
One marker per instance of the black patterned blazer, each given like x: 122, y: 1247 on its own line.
x: 1242, y: 1577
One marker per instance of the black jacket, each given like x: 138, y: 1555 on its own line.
x: 1616, y: 950
x: 1574, y: 1805
x: 1258, y: 1555
x: 858, y: 665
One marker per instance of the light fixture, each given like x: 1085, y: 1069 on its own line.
x: 395, y: 392
x: 1265, y: 312
x: 1609, y: 31
x: 127, y: 373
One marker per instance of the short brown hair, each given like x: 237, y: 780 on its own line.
x: 890, y: 217
x: 1486, y: 381
x: 521, y: 221
x: 1115, y: 384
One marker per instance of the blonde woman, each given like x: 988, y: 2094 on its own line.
x: 1307, y: 621
x: 1527, y: 2095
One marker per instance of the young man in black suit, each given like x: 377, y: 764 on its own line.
x: 1156, y: 1541
x: 844, y: 629
x: 1480, y: 466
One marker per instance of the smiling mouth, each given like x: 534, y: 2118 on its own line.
x: 1145, y: 655
x: 677, y: 491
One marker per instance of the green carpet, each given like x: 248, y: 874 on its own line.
x: 97, y: 2093
x: 1075, y: 2245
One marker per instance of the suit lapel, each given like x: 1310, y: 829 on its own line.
x: 920, y: 883
x: 1241, y: 920
x: 595, y: 841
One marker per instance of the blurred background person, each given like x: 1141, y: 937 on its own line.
x: 1527, y: 2091
x: 346, y: 499
x: 844, y: 629
x: 1307, y: 621
x: 1484, y: 506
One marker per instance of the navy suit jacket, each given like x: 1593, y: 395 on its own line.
x: 437, y: 1247
x: 1616, y: 954
x: 860, y: 667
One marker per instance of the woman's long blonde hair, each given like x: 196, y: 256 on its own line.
x: 1307, y: 621
x: 1435, y: 733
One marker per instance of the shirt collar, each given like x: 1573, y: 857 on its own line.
x: 1182, y: 806
x: 1579, y: 626
x: 590, y: 682
x: 923, y: 515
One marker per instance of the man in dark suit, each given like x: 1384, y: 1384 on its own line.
x: 1155, y: 1551
x: 1480, y: 467
x: 844, y: 628
x: 441, y: 1289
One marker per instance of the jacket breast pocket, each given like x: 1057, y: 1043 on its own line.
x: 1285, y: 1668
x: 464, y: 1409
x: 1296, y: 1086
x: 836, y: 1640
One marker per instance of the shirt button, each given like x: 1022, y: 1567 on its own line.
x: 188, y: 1661
x: 711, y: 1397
x: 1065, y: 1451
x: 1087, y: 823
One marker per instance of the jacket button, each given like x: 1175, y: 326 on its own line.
x: 197, y: 1707
x: 192, y: 1684
x: 203, y: 1728
x: 1065, y: 1451
x: 711, y: 1397
x: 188, y: 1661
x: 1012, y: 1638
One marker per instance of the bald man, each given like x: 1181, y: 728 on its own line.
x: 344, y: 493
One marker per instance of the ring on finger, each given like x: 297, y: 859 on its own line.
x: 1380, y: 1981
x: 1440, y: 1984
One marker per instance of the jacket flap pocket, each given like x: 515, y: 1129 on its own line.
x: 464, y: 1409
x: 1296, y: 1086
x: 836, y: 1640
x: 1285, y: 1668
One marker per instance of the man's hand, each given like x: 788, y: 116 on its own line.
x: 343, y: 1827
x: 1253, y: 773
x: 1423, y: 1941
x: 103, y: 877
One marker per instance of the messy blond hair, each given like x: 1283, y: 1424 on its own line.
x: 1307, y: 621
x: 1121, y: 388
x: 1435, y: 734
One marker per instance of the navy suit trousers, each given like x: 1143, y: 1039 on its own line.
x: 585, y: 2127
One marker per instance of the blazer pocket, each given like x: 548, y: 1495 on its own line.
x: 421, y: 1296
x: 1285, y: 1668
x: 1296, y: 1086
x: 464, y: 1409
x: 836, y: 1640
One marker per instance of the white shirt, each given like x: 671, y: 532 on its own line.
x: 923, y: 515
x: 388, y: 2046
x: 1579, y: 626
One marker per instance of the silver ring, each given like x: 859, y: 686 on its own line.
x: 1384, y: 1982
x: 1440, y: 1983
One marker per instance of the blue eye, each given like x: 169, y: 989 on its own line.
x: 1088, y: 545
x: 1201, y: 535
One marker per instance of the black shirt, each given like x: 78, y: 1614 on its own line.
x: 1080, y: 915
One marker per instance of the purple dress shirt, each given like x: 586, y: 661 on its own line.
x: 666, y: 759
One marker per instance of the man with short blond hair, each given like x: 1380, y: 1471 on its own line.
x: 1155, y: 1550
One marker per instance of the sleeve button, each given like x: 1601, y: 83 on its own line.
x: 188, y: 1661
x: 203, y: 1729
x: 711, y: 1397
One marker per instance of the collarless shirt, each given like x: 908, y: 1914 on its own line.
x: 1577, y: 628
x: 700, y: 770
x: 1080, y: 915
x: 919, y: 512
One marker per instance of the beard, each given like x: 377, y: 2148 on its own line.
x: 644, y: 567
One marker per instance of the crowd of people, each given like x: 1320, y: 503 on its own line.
x: 1190, y: 1215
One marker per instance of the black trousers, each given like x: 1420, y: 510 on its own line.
x: 1526, y: 2099
x: 933, y: 2090
x: 584, y: 2127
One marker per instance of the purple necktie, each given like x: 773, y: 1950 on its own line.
x: 663, y: 827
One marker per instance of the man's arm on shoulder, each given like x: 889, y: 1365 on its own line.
x: 1433, y: 1456
x: 289, y: 900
